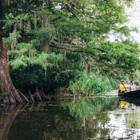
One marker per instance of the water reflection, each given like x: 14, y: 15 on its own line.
x: 80, y: 119
x: 85, y: 108
x: 55, y: 121
x: 7, y: 115
x: 108, y: 118
x: 94, y: 114
x: 126, y: 105
x: 124, y: 122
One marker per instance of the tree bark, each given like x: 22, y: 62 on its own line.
x: 8, y: 92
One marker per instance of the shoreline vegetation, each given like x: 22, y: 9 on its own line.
x: 90, y: 84
x: 51, y: 47
x: 85, y: 84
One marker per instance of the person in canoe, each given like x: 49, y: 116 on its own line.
x: 133, y: 86
x: 121, y: 87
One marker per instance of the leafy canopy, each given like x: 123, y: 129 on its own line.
x: 71, y: 26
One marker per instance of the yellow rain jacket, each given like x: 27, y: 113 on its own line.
x: 122, y: 87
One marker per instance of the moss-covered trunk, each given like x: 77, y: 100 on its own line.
x: 8, y: 92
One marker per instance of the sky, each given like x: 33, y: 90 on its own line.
x: 133, y: 14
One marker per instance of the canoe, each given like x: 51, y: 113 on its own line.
x: 135, y: 101
x: 135, y: 94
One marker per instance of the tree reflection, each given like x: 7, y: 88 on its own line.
x: 49, y: 122
x: 7, y: 115
x: 78, y: 119
x: 93, y: 113
x: 85, y: 108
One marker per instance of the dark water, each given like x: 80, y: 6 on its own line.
x: 100, y: 118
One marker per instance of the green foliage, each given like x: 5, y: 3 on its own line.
x: 25, y: 78
x: 114, y: 83
x: 30, y: 77
x: 76, y: 35
x: 42, y: 59
x: 11, y: 40
x: 89, y: 83
x: 26, y: 54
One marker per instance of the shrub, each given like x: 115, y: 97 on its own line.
x: 90, y: 83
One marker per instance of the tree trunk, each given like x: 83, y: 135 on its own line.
x: 8, y: 92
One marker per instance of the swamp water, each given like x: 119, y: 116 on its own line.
x: 98, y: 118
